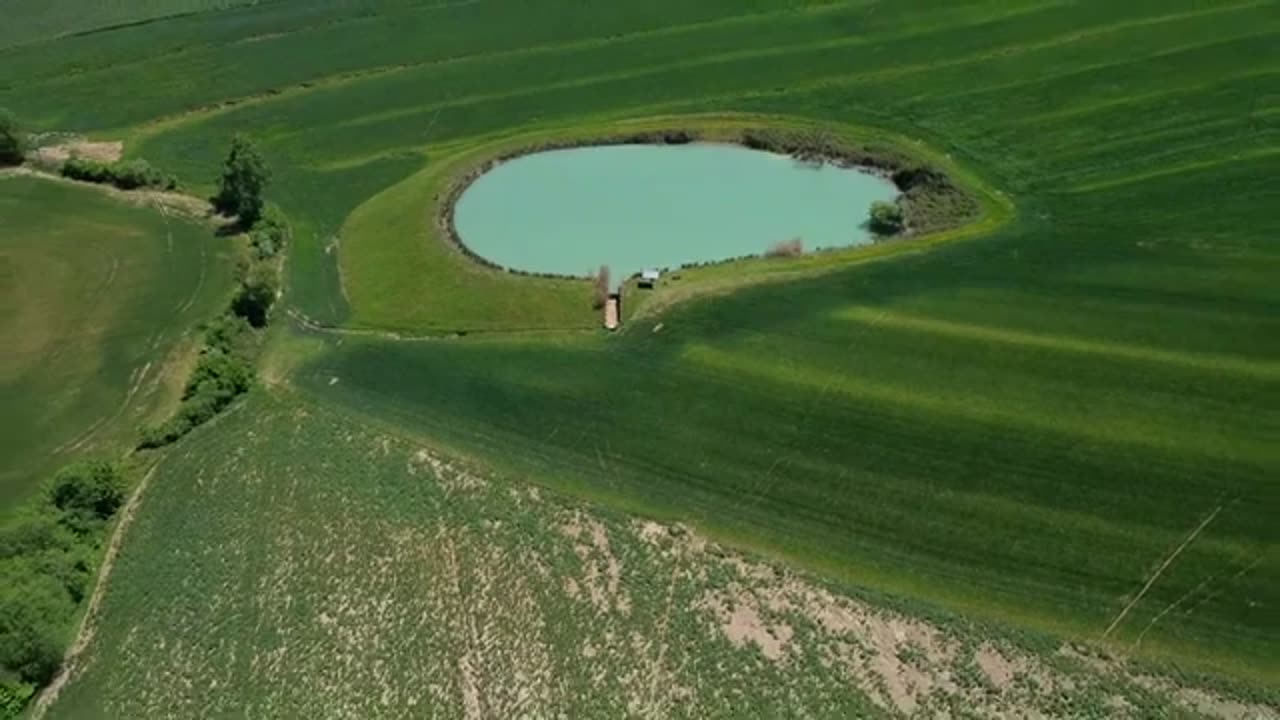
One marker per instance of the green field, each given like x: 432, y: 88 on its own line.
x: 101, y: 300
x: 1062, y: 417
x: 442, y: 592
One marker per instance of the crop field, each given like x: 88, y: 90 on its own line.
x: 1060, y: 418
x: 442, y: 592
x: 101, y: 298
x: 31, y: 21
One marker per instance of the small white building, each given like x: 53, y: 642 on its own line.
x: 649, y: 278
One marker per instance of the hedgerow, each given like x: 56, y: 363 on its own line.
x: 126, y: 175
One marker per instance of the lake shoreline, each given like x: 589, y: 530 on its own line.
x: 915, y: 180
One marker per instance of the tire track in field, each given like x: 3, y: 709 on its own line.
x: 724, y: 58
x: 987, y: 333
x: 1172, y: 170
x: 1091, y: 108
x: 1160, y: 571
x: 1040, y: 79
x: 1112, y: 430
x: 1177, y: 603
x: 1215, y: 128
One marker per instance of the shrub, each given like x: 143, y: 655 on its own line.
x: 13, y: 141
x: 129, y: 175
x: 13, y: 698
x: 256, y: 295
x: 223, y: 372
x: 886, y: 218
x: 33, y: 535
x: 139, y: 173
x: 33, y: 615
x: 84, y: 169
x: 786, y: 248
x: 269, y: 236
x: 86, y: 494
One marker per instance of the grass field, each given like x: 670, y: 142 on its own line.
x: 33, y: 21
x: 441, y: 592
x: 1067, y: 423
x: 101, y: 300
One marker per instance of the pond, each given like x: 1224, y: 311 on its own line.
x: 634, y: 207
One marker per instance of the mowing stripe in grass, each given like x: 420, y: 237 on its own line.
x: 652, y: 68
x: 335, y: 80
x: 1164, y: 172
x: 1112, y: 429
x: 982, y: 333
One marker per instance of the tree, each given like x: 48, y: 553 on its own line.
x: 244, y: 176
x: 601, y: 288
x: 886, y: 218
x: 86, y: 493
x: 32, y: 614
x: 13, y: 140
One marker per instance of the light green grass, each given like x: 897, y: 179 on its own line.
x: 101, y: 301
x: 400, y: 271
x: 443, y: 591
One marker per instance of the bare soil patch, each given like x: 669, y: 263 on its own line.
x: 55, y: 155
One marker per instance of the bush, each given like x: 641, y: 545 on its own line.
x: 786, y: 248
x: 129, y: 175
x: 223, y: 372
x: 86, y: 494
x: 269, y: 236
x: 139, y: 173
x: 256, y: 295
x: 33, y: 619
x: 13, y: 141
x: 13, y: 698
x: 86, y: 170
x: 30, y: 536
x: 886, y: 218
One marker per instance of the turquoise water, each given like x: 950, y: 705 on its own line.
x: 634, y: 207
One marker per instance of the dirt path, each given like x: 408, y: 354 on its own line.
x: 611, y: 314
x: 188, y: 206
x: 84, y: 634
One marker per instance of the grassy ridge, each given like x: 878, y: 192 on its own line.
x: 102, y: 297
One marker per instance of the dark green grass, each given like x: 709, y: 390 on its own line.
x: 1022, y: 426
x: 1026, y: 463
x: 97, y: 295
x: 33, y: 21
x: 260, y: 52
x: 435, y: 584
x: 1117, y: 383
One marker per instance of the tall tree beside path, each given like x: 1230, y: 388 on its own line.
x: 244, y: 176
x: 12, y: 139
